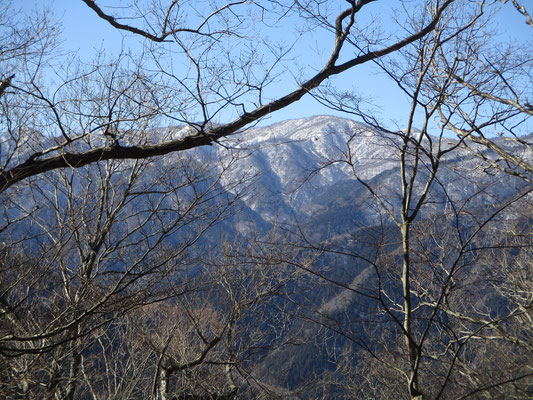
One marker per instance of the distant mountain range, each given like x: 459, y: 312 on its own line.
x: 300, y: 174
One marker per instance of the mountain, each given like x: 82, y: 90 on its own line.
x: 300, y: 172
x: 296, y: 161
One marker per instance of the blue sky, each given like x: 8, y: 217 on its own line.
x: 84, y: 32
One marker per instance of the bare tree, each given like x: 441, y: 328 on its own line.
x: 83, y: 247
x: 100, y: 112
x: 211, y: 343
x: 436, y: 315
x: 490, y: 105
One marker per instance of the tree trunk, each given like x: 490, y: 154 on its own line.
x: 162, y: 387
x: 410, y: 343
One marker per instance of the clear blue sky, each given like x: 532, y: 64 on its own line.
x: 85, y: 32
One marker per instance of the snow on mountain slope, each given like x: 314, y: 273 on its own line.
x: 295, y: 169
x: 293, y: 159
x: 299, y: 168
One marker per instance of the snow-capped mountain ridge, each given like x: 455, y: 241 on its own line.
x: 293, y: 159
x: 296, y: 162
